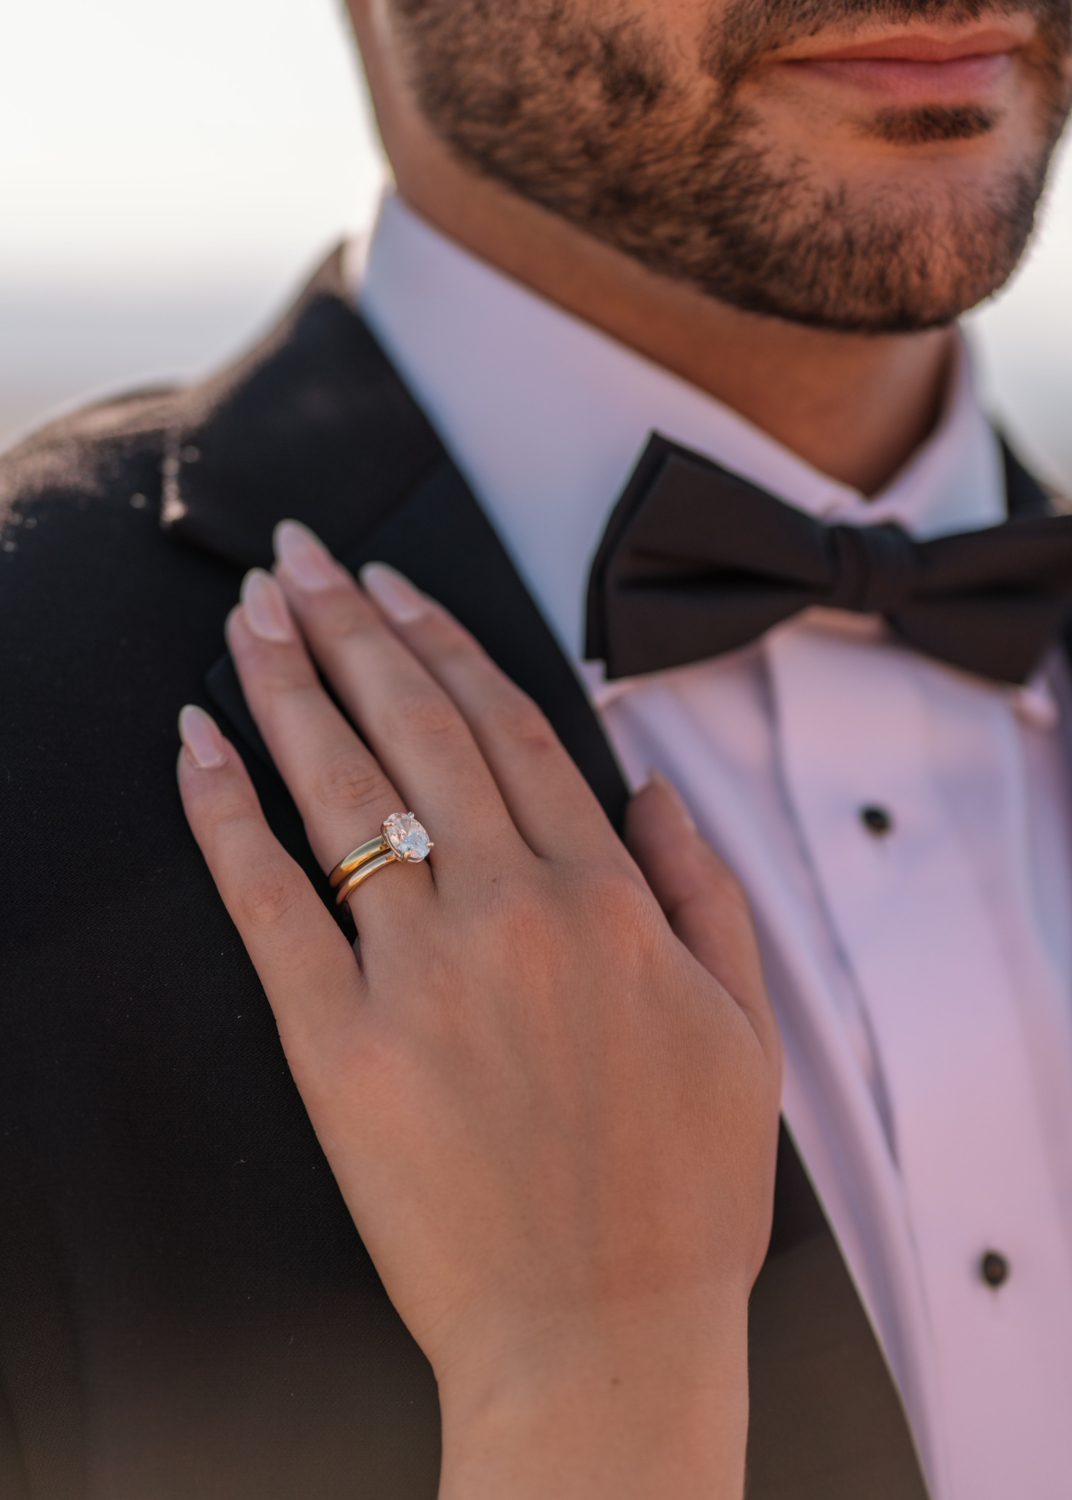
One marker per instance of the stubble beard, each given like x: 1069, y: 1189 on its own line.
x: 591, y: 123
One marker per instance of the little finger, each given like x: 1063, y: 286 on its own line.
x: 306, y: 965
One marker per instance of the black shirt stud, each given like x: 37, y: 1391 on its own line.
x: 994, y: 1268
x: 876, y: 820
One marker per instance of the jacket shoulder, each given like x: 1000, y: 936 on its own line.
x: 87, y: 454
x: 102, y: 447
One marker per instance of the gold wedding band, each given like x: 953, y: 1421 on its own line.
x: 402, y: 840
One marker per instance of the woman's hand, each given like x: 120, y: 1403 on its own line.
x: 551, y: 1108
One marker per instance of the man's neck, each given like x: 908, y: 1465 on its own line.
x: 854, y: 406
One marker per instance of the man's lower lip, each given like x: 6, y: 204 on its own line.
x: 910, y: 81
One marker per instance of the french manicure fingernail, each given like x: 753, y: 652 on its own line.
x: 201, y: 737
x: 266, y: 608
x: 305, y: 557
x: 656, y: 778
x: 395, y: 595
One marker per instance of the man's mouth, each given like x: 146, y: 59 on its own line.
x: 922, y: 66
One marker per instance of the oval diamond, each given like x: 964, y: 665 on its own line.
x: 407, y: 837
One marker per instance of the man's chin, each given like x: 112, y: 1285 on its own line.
x: 874, y: 267
x: 916, y: 311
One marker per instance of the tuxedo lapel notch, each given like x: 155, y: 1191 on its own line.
x: 312, y: 423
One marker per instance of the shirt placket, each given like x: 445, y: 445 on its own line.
x: 908, y: 914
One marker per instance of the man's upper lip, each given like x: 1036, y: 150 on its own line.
x: 928, y: 46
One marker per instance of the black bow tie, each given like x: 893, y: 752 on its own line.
x: 696, y: 561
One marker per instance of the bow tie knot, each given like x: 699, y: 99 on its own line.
x: 874, y: 568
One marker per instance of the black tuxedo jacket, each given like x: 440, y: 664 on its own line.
x: 186, y: 1309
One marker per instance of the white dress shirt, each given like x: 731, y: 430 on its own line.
x: 922, y: 977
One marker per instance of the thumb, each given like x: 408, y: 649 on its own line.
x: 703, y: 900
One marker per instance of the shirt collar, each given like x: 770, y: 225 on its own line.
x: 546, y: 417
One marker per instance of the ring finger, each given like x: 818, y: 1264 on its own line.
x: 412, y: 724
x: 339, y: 787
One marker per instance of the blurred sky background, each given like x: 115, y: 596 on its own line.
x: 169, y: 173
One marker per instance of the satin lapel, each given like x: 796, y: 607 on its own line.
x: 1024, y: 496
x: 316, y: 425
x: 312, y: 423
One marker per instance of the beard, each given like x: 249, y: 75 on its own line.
x: 592, y: 122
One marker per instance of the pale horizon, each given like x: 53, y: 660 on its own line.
x: 167, y: 181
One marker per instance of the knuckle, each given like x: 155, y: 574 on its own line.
x: 619, y: 897
x: 520, y: 918
x: 422, y: 714
x: 269, y: 894
x: 530, y: 912
x: 450, y: 646
x: 620, y: 910
x: 444, y: 638
x: 233, y: 805
x: 335, y: 613
x: 347, y: 783
x: 722, y: 885
x: 514, y: 717
x: 537, y: 930
x: 531, y: 936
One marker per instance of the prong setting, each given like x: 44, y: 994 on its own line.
x: 407, y: 838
